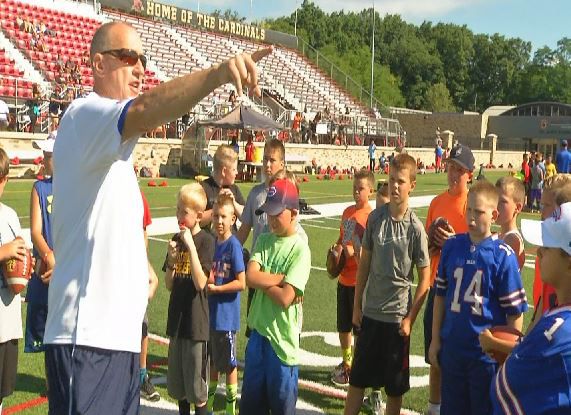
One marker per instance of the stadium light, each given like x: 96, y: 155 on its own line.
x: 373, y: 56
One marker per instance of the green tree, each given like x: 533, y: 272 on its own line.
x: 438, y: 99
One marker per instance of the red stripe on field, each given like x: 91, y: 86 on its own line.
x: 25, y: 405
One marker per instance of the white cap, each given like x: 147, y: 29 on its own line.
x: 46, y: 145
x: 554, y: 232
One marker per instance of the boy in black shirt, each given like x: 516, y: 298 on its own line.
x: 187, y: 266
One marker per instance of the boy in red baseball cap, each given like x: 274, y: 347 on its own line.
x: 278, y: 270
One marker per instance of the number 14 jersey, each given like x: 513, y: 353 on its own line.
x: 482, y: 285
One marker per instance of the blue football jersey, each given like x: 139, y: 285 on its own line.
x: 482, y: 285
x: 536, y: 377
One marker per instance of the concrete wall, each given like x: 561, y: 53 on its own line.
x: 162, y: 156
x: 421, y: 128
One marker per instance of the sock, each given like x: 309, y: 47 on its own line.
x: 142, y: 374
x: 211, y: 394
x: 433, y: 408
x: 347, y: 356
x: 200, y: 410
x: 231, y: 393
x: 183, y: 407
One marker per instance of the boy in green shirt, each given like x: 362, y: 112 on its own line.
x: 278, y: 270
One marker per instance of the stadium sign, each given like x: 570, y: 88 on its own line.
x: 178, y: 15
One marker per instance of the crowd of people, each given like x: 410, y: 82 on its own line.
x: 89, y: 243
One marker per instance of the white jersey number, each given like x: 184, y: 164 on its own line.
x: 549, y: 333
x: 473, y: 294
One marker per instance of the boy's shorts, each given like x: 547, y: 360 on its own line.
x: 427, y: 321
x: 97, y: 381
x: 345, y: 299
x: 465, y: 383
x: 8, y: 367
x: 268, y: 384
x: 187, y: 376
x: 35, y: 326
x: 381, y: 358
x: 222, y: 351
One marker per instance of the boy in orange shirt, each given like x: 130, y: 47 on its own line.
x: 450, y: 205
x: 353, y: 224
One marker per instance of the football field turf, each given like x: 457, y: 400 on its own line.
x: 319, y: 352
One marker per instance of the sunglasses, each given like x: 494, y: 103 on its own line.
x: 128, y: 56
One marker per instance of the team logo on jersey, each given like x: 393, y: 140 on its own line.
x: 272, y: 191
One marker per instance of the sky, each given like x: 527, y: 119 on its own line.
x: 526, y: 19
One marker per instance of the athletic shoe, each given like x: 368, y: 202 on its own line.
x: 373, y: 404
x: 148, y: 391
x: 340, y: 375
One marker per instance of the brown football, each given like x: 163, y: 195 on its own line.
x: 17, y: 273
x: 439, y: 222
x: 504, y: 333
x: 335, y: 261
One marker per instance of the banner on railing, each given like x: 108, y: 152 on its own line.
x: 181, y: 16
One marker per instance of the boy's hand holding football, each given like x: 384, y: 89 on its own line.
x: 14, y: 250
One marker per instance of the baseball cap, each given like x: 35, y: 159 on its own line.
x: 282, y: 195
x: 553, y: 232
x: 46, y: 145
x: 463, y: 156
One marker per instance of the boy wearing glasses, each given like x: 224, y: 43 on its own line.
x: 100, y: 284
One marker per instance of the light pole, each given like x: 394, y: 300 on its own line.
x: 373, y: 56
x: 295, y: 23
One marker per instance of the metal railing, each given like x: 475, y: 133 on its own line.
x: 341, y: 77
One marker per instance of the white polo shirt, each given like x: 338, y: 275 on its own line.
x: 99, y: 289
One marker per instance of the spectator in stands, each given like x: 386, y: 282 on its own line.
x: 70, y: 65
x: 85, y: 58
x: 305, y: 126
x: 60, y: 65
x: 80, y: 93
x: 296, y: 127
x: 45, y: 30
x: 97, y: 210
x: 326, y: 113
x: 232, y: 99
x: 27, y: 26
x: 54, y: 106
x: 41, y: 44
x: 313, y: 124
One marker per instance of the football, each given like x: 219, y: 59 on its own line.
x: 17, y: 273
x: 335, y: 261
x: 441, y: 223
x: 504, y: 333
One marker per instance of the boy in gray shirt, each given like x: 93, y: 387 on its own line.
x: 384, y: 315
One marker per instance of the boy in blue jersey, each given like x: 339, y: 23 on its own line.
x: 41, y: 235
x: 544, y: 354
x: 478, y: 286
x: 227, y: 279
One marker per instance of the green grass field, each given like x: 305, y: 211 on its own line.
x: 319, y: 301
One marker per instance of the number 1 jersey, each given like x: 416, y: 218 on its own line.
x: 482, y: 285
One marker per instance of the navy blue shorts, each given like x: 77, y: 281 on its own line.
x: 91, y: 381
x: 35, y: 326
x: 427, y: 322
x: 268, y: 384
x: 465, y: 384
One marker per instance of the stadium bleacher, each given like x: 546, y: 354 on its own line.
x: 290, y: 78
